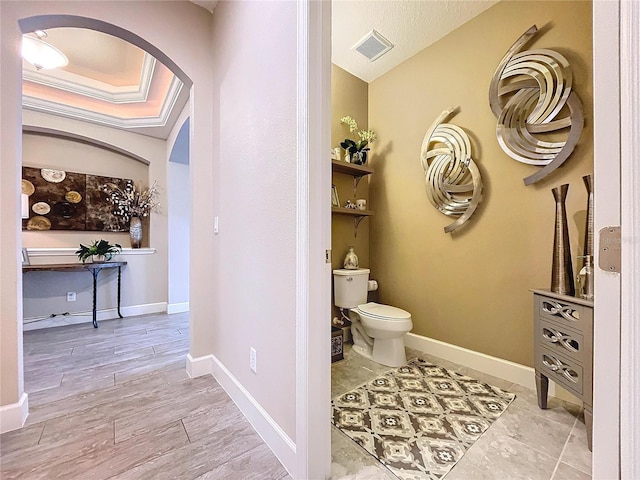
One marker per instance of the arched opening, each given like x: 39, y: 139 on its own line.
x: 13, y: 393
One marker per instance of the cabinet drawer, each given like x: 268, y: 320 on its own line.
x: 561, y: 340
x: 564, y: 313
x: 561, y: 370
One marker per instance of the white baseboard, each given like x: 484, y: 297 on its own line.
x: 197, y: 367
x: 510, y: 371
x: 87, y: 317
x: 277, y: 440
x: 13, y: 416
x: 178, y: 307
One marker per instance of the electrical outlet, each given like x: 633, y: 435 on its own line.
x: 71, y: 296
x: 253, y: 360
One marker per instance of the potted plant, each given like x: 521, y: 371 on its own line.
x: 357, y: 151
x: 99, y: 248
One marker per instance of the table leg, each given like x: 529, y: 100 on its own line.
x: 119, y: 274
x: 542, y: 388
x: 588, y: 423
x: 95, y: 271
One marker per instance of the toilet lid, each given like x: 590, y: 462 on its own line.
x: 377, y: 310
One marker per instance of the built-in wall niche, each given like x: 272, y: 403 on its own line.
x: 63, y: 200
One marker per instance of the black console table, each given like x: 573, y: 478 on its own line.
x: 94, y: 268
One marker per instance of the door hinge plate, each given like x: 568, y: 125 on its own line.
x: 609, y: 259
x: 327, y: 256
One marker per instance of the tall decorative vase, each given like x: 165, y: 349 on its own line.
x: 584, y: 281
x: 561, y: 269
x: 588, y: 230
x: 135, y: 232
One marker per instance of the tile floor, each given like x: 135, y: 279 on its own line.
x: 116, y: 403
x: 524, y: 443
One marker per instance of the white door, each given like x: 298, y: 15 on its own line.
x: 616, y: 403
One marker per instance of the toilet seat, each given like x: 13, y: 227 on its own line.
x: 383, y: 312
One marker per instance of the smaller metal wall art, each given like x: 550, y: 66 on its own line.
x: 528, y: 94
x: 453, y: 180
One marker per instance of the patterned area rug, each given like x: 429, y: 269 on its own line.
x: 418, y: 420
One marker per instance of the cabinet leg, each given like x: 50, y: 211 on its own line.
x: 542, y: 388
x: 588, y: 423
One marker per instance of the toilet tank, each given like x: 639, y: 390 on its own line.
x: 350, y: 287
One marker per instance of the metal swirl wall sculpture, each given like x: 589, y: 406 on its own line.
x: 528, y: 92
x: 453, y: 180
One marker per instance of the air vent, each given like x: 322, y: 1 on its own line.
x: 373, y: 45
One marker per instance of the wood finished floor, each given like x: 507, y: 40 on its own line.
x: 115, y: 403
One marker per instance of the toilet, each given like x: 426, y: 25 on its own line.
x: 378, y: 330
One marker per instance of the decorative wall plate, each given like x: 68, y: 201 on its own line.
x: 53, y: 176
x: 530, y: 95
x: 41, y: 208
x: 38, y: 223
x: 453, y: 180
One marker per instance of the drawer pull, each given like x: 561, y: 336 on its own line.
x: 558, y: 310
x: 558, y: 337
x: 556, y: 366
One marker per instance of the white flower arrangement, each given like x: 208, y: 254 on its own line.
x: 368, y: 136
x: 358, y: 149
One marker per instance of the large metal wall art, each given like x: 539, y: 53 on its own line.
x: 528, y: 93
x: 453, y: 180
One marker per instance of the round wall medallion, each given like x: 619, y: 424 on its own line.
x: 39, y: 223
x: 73, y: 197
x: 41, y: 208
x: 27, y: 187
x: 53, y: 176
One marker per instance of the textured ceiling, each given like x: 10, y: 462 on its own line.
x: 410, y: 25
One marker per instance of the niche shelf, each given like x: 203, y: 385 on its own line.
x: 357, y: 172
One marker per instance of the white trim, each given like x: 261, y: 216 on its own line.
x: 276, y: 439
x: 30, y: 323
x: 498, y: 367
x: 200, y: 366
x: 313, y: 227
x: 13, y: 416
x: 630, y: 268
x: 177, y: 307
x: 71, y: 251
x: 606, y: 168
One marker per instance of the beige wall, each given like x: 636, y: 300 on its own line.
x: 349, y: 96
x: 470, y: 288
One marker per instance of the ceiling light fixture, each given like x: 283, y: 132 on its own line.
x: 40, y: 54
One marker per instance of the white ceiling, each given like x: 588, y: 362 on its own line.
x: 410, y: 25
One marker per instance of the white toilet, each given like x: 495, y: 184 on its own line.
x: 378, y: 330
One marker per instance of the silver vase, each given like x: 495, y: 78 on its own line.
x: 135, y: 232
x: 561, y: 269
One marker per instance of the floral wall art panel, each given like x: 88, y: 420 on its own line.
x: 100, y: 215
x: 63, y: 200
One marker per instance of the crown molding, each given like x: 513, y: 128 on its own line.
x: 160, y: 120
x: 79, y: 85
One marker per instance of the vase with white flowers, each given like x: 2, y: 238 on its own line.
x: 356, y: 151
x: 131, y: 204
